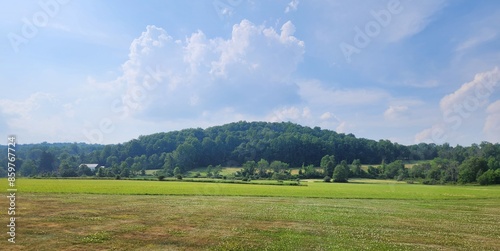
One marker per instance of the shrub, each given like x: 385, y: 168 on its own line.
x: 487, y: 178
x: 179, y: 177
x: 429, y: 182
x: 118, y: 177
x: 327, y: 179
x: 161, y: 177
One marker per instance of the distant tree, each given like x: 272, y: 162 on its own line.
x: 249, y: 168
x: 169, y: 162
x: 341, y: 172
x: 373, y: 172
x: 28, y: 168
x: 65, y: 170
x: 101, y: 172
x: 487, y: 178
x: 84, y: 170
x: 262, y: 167
x: 177, y: 171
x: 278, y: 166
x: 46, y: 165
x: 392, y: 169
x: 311, y: 172
x: 124, y: 170
x: 328, y: 164
x: 356, y: 170
x: 469, y: 169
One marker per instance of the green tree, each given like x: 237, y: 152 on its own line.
x: 177, y: 171
x: 124, y: 169
x: 356, y: 168
x: 84, y: 170
x: 28, y: 168
x: 487, y: 178
x: 262, y: 167
x: 469, y: 169
x: 248, y: 169
x: 47, y: 160
x: 328, y: 164
x: 278, y: 166
x: 341, y: 172
x: 65, y: 170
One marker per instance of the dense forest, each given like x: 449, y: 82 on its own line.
x: 248, y: 144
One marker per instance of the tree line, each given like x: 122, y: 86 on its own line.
x: 240, y: 143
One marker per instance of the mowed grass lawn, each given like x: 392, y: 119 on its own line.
x: 118, y: 215
x: 360, y: 189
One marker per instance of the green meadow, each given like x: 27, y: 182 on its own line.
x: 60, y: 214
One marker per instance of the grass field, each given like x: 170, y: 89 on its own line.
x: 153, y: 215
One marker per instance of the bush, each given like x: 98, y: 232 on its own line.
x: 327, y: 179
x: 161, y: 177
x: 429, y: 182
x: 487, y: 178
x: 179, y: 177
x: 118, y: 177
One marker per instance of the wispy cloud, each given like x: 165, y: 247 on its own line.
x: 292, y: 6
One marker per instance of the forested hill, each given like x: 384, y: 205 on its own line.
x: 232, y: 145
x: 235, y: 143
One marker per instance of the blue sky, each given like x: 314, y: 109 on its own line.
x: 109, y: 71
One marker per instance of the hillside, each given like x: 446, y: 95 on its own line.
x: 232, y: 145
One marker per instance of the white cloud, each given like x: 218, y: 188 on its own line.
x: 326, y: 115
x: 492, y: 123
x: 484, y: 35
x: 289, y: 114
x: 472, y: 95
x: 414, y: 17
x: 342, y: 127
x: 395, y: 112
x: 25, y: 108
x: 199, y: 72
x: 40, y: 117
x: 292, y: 6
x: 462, y: 108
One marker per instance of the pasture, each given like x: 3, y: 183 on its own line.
x: 152, y: 215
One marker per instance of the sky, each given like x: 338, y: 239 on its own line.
x: 109, y: 71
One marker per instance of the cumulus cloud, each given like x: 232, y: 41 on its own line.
x: 472, y: 95
x: 167, y: 77
x: 458, y: 107
x: 292, y: 6
x: 290, y: 114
